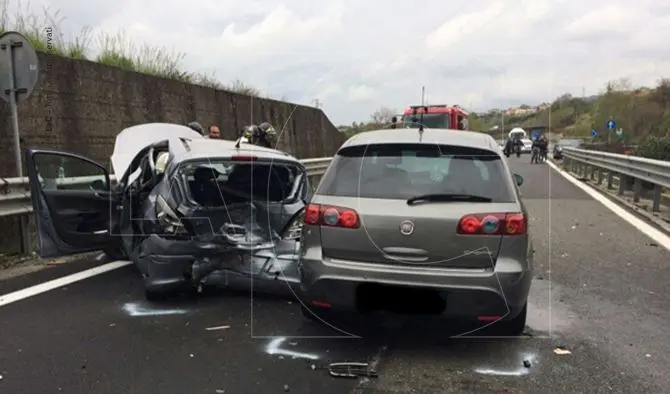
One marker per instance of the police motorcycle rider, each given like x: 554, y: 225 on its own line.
x: 535, y: 151
x: 544, y: 146
x: 539, y: 150
x: 513, y: 144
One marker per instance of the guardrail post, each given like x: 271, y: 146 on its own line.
x: 600, y: 176
x: 566, y: 163
x: 622, y: 184
x: 637, y: 189
x: 656, y: 200
x: 593, y: 172
x: 610, y: 179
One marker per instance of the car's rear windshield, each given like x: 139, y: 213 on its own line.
x: 401, y: 171
x: 216, y: 182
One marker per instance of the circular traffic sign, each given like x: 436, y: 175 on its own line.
x: 26, y: 66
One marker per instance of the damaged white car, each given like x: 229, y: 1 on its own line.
x: 185, y: 209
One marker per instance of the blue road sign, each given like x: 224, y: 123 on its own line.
x: 594, y: 133
x: 611, y: 124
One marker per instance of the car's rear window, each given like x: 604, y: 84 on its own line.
x: 401, y: 171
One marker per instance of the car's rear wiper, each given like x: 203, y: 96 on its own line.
x: 446, y: 197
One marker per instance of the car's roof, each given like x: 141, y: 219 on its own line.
x: 212, y: 148
x: 471, y: 139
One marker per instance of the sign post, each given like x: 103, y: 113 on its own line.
x: 19, y: 71
x: 611, y: 125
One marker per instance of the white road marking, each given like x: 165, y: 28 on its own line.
x: 521, y: 371
x: 137, y: 309
x: 273, y: 348
x: 217, y: 328
x: 633, y: 220
x: 19, y: 295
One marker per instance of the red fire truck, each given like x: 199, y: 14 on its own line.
x: 436, y: 117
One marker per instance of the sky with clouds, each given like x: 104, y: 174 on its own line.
x: 356, y: 55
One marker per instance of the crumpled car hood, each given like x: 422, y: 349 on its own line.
x: 130, y: 141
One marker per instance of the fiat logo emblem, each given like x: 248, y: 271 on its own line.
x: 406, y: 227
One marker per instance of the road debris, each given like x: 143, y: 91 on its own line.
x: 526, y: 363
x: 287, y: 388
x: 217, y: 328
x: 647, y: 355
x: 220, y: 391
x: 351, y: 370
x: 561, y: 351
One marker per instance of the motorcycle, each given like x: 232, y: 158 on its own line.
x: 518, y: 150
x: 535, y: 157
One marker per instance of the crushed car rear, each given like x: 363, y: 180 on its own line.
x: 212, y: 219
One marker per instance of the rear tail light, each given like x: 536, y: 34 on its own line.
x: 331, y: 216
x: 493, y: 224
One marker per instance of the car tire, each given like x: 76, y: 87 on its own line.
x: 513, y: 327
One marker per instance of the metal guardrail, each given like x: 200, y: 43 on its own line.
x: 639, y: 169
x: 15, y: 192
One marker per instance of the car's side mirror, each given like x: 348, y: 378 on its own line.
x: 518, y: 179
x: 98, y: 185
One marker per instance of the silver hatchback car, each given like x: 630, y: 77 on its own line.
x: 414, y: 221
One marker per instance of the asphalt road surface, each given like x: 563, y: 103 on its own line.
x: 599, y: 292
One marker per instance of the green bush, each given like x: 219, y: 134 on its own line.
x: 654, y: 148
x: 116, y: 51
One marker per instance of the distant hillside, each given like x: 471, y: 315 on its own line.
x: 641, y: 113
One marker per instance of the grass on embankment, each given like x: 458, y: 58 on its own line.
x: 114, y: 50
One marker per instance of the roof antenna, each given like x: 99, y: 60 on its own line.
x: 237, y: 143
x: 414, y: 112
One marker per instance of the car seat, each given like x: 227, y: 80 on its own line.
x: 205, y: 189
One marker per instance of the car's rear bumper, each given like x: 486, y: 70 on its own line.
x: 467, y: 293
x: 171, y: 265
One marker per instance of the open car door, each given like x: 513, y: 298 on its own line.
x: 72, y: 201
